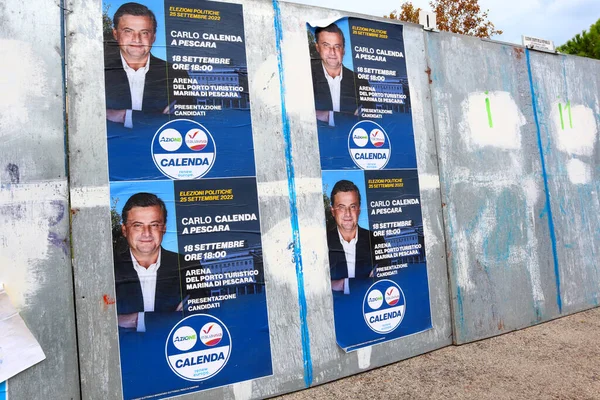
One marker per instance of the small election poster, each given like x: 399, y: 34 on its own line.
x: 370, y: 183
x: 189, y: 275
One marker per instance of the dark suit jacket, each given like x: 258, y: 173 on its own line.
x: 129, y: 291
x: 158, y: 87
x: 349, y: 98
x: 365, y: 262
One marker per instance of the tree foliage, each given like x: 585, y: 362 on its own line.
x: 408, y: 13
x: 585, y: 44
x: 458, y: 16
x: 107, y: 23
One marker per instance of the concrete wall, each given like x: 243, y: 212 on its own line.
x: 509, y: 195
x: 571, y: 154
x: 519, y: 190
x: 498, y: 241
x: 35, y: 255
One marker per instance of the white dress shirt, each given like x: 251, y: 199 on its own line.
x: 147, y: 277
x: 136, y: 79
x: 350, y: 253
x: 335, y: 88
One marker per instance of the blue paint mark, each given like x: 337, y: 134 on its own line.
x: 562, y: 209
x: 59, y: 242
x: 60, y: 213
x: 3, y: 391
x: 461, y: 330
x: 497, y: 244
x: 548, y: 206
x: 461, y: 313
x: 308, y: 372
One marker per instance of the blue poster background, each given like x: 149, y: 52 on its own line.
x: 197, y: 72
x: 383, y: 167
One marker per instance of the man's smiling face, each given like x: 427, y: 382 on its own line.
x: 135, y: 35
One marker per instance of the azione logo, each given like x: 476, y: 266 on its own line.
x: 360, y: 137
x: 184, y: 338
x: 170, y: 140
x: 375, y: 299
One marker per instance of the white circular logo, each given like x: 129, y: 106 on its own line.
x: 196, y: 139
x: 369, y: 151
x: 384, y: 317
x: 170, y: 140
x: 377, y: 137
x: 374, y: 299
x: 360, y: 137
x: 392, y: 296
x: 192, y: 161
x: 205, y: 357
x: 184, y: 338
x: 211, y: 334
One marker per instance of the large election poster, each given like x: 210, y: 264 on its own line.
x: 370, y: 183
x: 189, y: 276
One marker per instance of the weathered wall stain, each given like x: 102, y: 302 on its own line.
x: 13, y: 173
x: 60, y: 212
x: 57, y: 241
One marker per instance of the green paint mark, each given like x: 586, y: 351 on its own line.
x: 562, y: 122
x: 489, y: 111
x: 568, y: 110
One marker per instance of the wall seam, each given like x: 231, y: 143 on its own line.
x: 306, y: 356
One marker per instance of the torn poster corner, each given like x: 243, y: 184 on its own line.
x: 19, y: 350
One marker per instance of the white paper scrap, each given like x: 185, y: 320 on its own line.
x: 18, y: 348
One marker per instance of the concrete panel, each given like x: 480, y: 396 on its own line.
x: 500, y: 258
x: 328, y: 360
x: 304, y: 350
x: 566, y: 97
x: 94, y: 279
x: 34, y: 208
x: 90, y: 208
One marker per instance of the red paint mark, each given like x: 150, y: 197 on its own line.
x: 108, y: 300
x: 428, y: 72
x: 208, y: 330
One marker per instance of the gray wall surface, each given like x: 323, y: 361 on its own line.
x: 509, y: 194
x: 500, y: 263
x: 570, y: 86
x: 35, y: 256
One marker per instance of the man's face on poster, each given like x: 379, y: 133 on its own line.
x: 135, y: 36
x: 330, y: 46
x: 345, y: 210
x: 144, y: 230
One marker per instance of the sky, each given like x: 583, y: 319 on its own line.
x: 556, y: 20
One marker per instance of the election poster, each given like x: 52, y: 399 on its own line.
x: 371, y: 194
x: 189, y: 275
